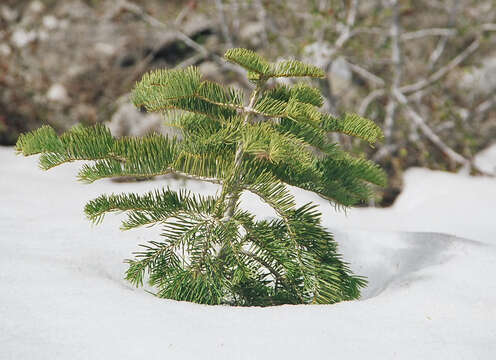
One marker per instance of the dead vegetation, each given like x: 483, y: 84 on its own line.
x: 423, y: 70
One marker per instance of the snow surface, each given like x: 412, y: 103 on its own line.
x: 431, y: 295
x: 485, y: 161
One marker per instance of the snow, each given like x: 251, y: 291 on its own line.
x: 433, y: 201
x: 5, y: 49
x: 50, y: 22
x: 485, y: 161
x: 21, y: 37
x: 431, y: 295
x: 57, y: 93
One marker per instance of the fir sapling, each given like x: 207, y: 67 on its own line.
x: 211, y: 250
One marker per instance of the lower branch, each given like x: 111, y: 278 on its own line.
x: 277, y: 274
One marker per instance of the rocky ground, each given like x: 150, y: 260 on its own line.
x: 70, y: 62
x: 75, y: 61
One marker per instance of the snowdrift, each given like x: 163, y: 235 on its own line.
x: 430, y: 295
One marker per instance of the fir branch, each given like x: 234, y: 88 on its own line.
x: 311, y: 135
x: 147, y: 209
x: 39, y: 141
x: 142, y: 157
x: 270, y: 189
x: 354, y: 125
x: 270, y: 107
x: 263, y: 141
x: 307, y: 94
x: 300, y: 92
x: 183, y: 89
x: 276, y: 195
x: 154, y: 254
x: 80, y: 143
x: 260, y: 69
x: 248, y: 59
x: 277, y: 275
x: 294, y: 68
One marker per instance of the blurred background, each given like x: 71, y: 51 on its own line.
x: 424, y: 70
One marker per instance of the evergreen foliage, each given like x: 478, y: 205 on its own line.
x: 212, y: 251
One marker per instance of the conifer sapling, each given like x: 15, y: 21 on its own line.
x: 212, y: 251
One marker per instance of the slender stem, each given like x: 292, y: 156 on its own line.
x: 397, y: 62
x: 230, y: 188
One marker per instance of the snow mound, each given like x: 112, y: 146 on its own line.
x: 430, y: 295
x: 432, y: 201
x: 391, y: 260
x: 485, y: 161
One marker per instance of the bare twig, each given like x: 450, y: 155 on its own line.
x: 441, y: 45
x: 411, y: 35
x: 397, y: 62
x: 367, y: 75
x: 135, y: 9
x: 235, y: 15
x: 483, y: 109
x: 396, y: 50
x: 191, y: 60
x: 223, y: 23
x: 434, y: 77
x: 439, y: 74
x: 427, y: 131
x: 384, y: 151
x: 372, y: 96
x: 457, y: 60
x: 428, y: 32
x: 182, y: 14
x: 347, y: 33
x: 486, y: 106
x: 370, y: 30
x: 262, y: 14
x: 389, y: 120
x: 488, y: 27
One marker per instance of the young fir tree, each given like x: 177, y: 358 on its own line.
x: 212, y: 251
